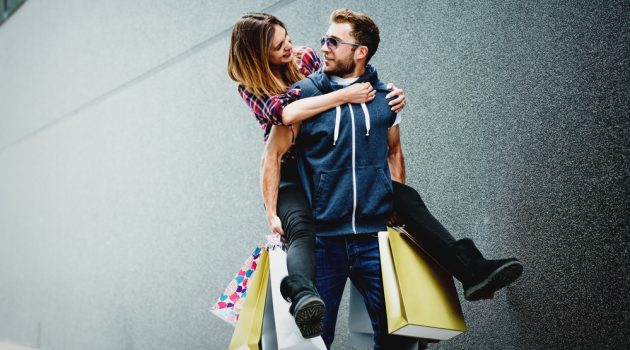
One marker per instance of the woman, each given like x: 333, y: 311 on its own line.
x: 264, y: 63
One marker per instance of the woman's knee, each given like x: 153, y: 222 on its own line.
x: 298, y: 225
x: 297, y: 217
x: 405, y: 196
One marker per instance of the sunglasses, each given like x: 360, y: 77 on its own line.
x: 332, y: 43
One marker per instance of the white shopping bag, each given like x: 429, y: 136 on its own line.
x: 360, y: 333
x: 279, y: 328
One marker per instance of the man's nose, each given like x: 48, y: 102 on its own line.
x: 325, y: 48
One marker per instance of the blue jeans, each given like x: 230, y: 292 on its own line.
x: 354, y: 256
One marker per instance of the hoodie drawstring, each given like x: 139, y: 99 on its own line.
x: 337, y: 121
x: 366, y: 113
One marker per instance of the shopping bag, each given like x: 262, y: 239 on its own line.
x: 283, y: 329
x: 228, y: 305
x: 360, y: 332
x: 420, y: 297
x: 248, y: 331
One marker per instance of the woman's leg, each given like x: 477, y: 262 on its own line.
x: 461, y: 258
x: 297, y: 223
x: 424, y: 227
x: 298, y: 287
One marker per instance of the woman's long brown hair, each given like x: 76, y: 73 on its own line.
x: 248, y: 61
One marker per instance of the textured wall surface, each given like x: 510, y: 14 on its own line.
x: 129, y: 165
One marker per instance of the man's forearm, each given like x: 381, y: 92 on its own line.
x: 396, y: 162
x: 278, y: 143
x: 270, y: 181
x: 395, y: 158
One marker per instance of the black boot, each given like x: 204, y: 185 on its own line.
x: 306, y: 306
x: 480, y: 277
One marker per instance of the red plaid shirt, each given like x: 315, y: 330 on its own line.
x: 268, y: 109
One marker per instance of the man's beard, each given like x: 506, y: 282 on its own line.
x: 342, y: 67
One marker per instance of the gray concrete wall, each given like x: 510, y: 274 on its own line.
x: 129, y: 165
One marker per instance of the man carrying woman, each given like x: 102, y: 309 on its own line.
x: 264, y: 63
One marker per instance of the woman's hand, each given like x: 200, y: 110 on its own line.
x: 400, y: 101
x: 359, y: 93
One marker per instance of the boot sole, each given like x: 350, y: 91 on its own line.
x: 498, y: 279
x: 308, y: 317
x: 311, y: 330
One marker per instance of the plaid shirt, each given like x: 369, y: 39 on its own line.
x: 268, y: 109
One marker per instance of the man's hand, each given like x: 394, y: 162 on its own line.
x: 400, y: 101
x: 275, y: 225
x: 393, y: 220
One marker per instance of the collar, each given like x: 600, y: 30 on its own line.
x: 343, y: 81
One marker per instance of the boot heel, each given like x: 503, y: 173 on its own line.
x: 499, y: 278
x: 308, y: 316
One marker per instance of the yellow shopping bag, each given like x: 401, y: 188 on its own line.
x: 420, y: 297
x: 248, y: 330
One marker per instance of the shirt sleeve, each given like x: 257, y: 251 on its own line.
x: 269, y: 108
x: 397, y: 120
x: 309, y: 61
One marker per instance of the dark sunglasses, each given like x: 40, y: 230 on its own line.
x: 332, y: 43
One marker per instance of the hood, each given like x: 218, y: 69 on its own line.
x: 322, y: 80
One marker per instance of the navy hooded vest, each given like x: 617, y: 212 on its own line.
x: 342, y: 159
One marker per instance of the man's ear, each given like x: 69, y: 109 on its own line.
x: 361, y: 52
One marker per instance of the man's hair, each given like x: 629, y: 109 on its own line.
x: 364, y: 30
x: 248, y: 60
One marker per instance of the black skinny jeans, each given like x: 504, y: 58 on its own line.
x: 297, y: 222
x: 294, y: 211
x: 425, y: 228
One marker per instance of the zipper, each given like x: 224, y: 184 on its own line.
x: 354, y: 174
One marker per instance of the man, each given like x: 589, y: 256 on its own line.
x: 347, y: 156
x: 343, y: 157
